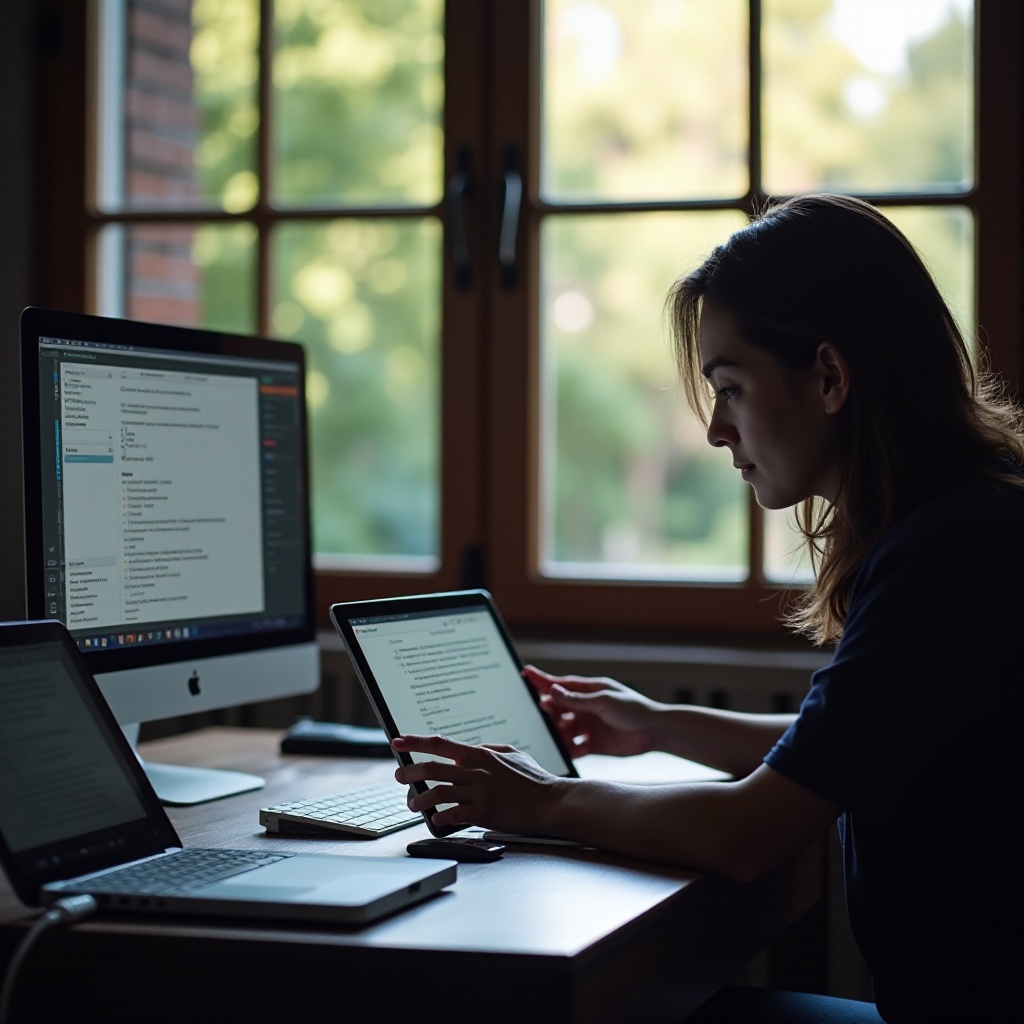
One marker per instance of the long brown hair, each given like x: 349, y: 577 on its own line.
x: 832, y: 268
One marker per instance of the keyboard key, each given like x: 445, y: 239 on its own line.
x: 179, y: 872
x: 366, y: 812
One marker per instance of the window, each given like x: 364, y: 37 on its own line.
x: 279, y: 168
x: 658, y: 126
x: 471, y: 212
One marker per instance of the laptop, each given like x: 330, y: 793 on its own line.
x: 79, y: 816
x: 445, y: 663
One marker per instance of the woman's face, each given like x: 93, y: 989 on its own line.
x: 778, y: 424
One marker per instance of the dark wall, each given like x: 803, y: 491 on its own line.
x: 16, y: 260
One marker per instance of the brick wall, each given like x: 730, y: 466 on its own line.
x: 162, y: 123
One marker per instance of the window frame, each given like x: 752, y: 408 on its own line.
x: 490, y: 356
x: 754, y: 606
x: 460, y: 354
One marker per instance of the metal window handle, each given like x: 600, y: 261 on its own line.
x: 460, y: 188
x: 512, y: 201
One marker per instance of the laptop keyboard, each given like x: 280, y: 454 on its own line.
x: 367, y: 812
x: 179, y: 872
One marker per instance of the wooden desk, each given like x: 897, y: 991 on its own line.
x: 545, y: 934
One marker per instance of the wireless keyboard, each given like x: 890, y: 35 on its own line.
x: 367, y: 812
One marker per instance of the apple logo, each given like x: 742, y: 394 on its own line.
x: 193, y: 683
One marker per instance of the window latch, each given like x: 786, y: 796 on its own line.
x: 460, y: 188
x: 511, y: 204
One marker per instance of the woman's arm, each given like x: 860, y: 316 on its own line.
x: 731, y: 741
x: 737, y: 829
x: 604, y: 716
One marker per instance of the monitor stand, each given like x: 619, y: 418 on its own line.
x: 182, y: 785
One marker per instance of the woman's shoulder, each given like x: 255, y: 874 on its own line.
x: 971, y: 527
x: 946, y: 584
x: 966, y: 505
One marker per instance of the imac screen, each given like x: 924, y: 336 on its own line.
x: 167, y: 510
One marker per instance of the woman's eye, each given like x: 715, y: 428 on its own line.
x: 726, y: 392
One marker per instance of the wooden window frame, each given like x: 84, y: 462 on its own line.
x: 751, y: 608
x: 490, y: 351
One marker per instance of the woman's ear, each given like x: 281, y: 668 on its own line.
x: 834, y: 377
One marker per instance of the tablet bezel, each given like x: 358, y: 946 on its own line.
x: 342, y: 614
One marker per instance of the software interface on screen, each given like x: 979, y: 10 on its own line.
x: 172, y: 494
x: 61, y: 778
x: 452, y: 673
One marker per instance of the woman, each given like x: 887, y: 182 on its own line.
x: 838, y: 382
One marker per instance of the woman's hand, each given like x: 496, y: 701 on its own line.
x: 596, y: 716
x: 492, y: 785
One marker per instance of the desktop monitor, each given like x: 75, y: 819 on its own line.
x: 167, y: 518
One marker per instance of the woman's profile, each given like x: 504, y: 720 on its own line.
x: 823, y: 360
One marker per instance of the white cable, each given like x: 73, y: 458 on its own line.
x: 64, y: 912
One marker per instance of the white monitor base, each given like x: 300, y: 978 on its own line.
x: 181, y: 785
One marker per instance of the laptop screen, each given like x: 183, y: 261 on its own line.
x: 70, y: 799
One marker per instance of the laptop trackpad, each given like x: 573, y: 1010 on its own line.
x: 332, y: 880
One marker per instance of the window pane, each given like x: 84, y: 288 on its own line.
x: 612, y: 130
x: 944, y: 236
x: 191, y: 275
x: 178, y: 118
x: 786, y: 559
x: 358, y: 99
x: 363, y: 296
x: 868, y: 95
x: 631, y: 488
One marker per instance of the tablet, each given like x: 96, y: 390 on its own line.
x: 444, y: 663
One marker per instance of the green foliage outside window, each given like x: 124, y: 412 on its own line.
x: 647, y: 100
x: 644, y: 99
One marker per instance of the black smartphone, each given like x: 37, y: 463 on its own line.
x: 461, y: 848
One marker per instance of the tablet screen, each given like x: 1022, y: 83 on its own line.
x: 447, y: 670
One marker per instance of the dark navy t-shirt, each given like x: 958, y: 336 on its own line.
x: 916, y: 729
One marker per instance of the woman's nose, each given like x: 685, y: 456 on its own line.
x: 720, y: 432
